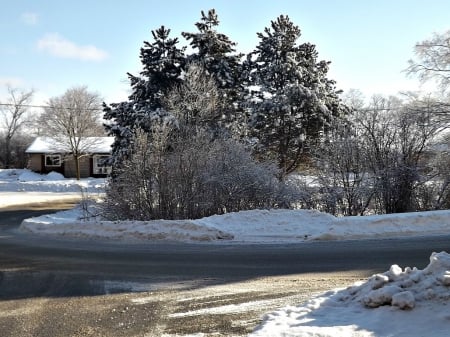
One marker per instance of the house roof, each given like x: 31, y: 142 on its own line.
x: 87, y: 145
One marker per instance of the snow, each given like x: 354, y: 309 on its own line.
x: 51, y: 145
x: 18, y: 187
x: 23, y: 180
x: 399, y: 302
x: 254, y: 226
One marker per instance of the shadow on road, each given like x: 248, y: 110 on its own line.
x: 32, y: 266
x: 31, y: 284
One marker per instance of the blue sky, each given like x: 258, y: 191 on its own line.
x: 51, y: 45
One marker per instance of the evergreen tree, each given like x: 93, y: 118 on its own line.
x: 216, y: 53
x: 293, y: 100
x: 163, y: 63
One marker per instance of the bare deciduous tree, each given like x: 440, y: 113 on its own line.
x: 71, y: 118
x: 381, y: 159
x: 396, y: 135
x: 14, y: 115
x: 343, y: 172
x: 433, y: 59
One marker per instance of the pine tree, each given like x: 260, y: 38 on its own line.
x: 293, y: 100
x: 163, y: 64
x: 216, y: 53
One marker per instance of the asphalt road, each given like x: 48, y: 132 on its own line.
x: 157, y: 262
x: 62, y: 287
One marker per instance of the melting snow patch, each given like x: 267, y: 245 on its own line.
x: 224, y: 309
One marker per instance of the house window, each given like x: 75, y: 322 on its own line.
x: 99, y: 166
x: 53, y: 160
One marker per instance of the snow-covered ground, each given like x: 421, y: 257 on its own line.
x: 19, y: 187
x: 255, y: 226
x: 399, y: 302
x: 19, y: 180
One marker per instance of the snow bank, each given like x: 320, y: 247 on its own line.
x: 32, y: 176
x: 22, y: 186
x: 275, y: 225
x: 128, y: 230
x: 70, y: 223
x: 393, y: 225
x: 407, y: 302
x: 255, y: 226
x: 11, y: 175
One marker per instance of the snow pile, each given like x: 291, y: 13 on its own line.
x: 393, y: 225
x: 276, y: 225
x: 255, y: 226
x: 27, y: 175
x: 167, y: 230
x: 407, y: 302
x: 22, y: 186
x: 9, y: 176
x: 403, y: 289
x: 71, y: 223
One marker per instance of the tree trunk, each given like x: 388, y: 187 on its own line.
x: 7, y: 152
x: 77, y: 166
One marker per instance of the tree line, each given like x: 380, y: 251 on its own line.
x: 385, y: 157
x: 223, y: 129
x: 214, y: 130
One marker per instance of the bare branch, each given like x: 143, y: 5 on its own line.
x: 73, y: 117
x: 433, y: 60
x: 14, y: 116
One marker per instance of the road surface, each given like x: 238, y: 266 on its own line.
x: 104, y: 288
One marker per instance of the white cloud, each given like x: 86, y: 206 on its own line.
x: 58, y: 46
x: 29, y: 18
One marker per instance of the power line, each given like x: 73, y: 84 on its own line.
x: 46, y: 106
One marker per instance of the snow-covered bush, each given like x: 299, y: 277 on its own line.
x: 191, y: 166
x: 195, y: 178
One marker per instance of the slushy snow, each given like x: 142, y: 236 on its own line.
x: 400, y: 302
